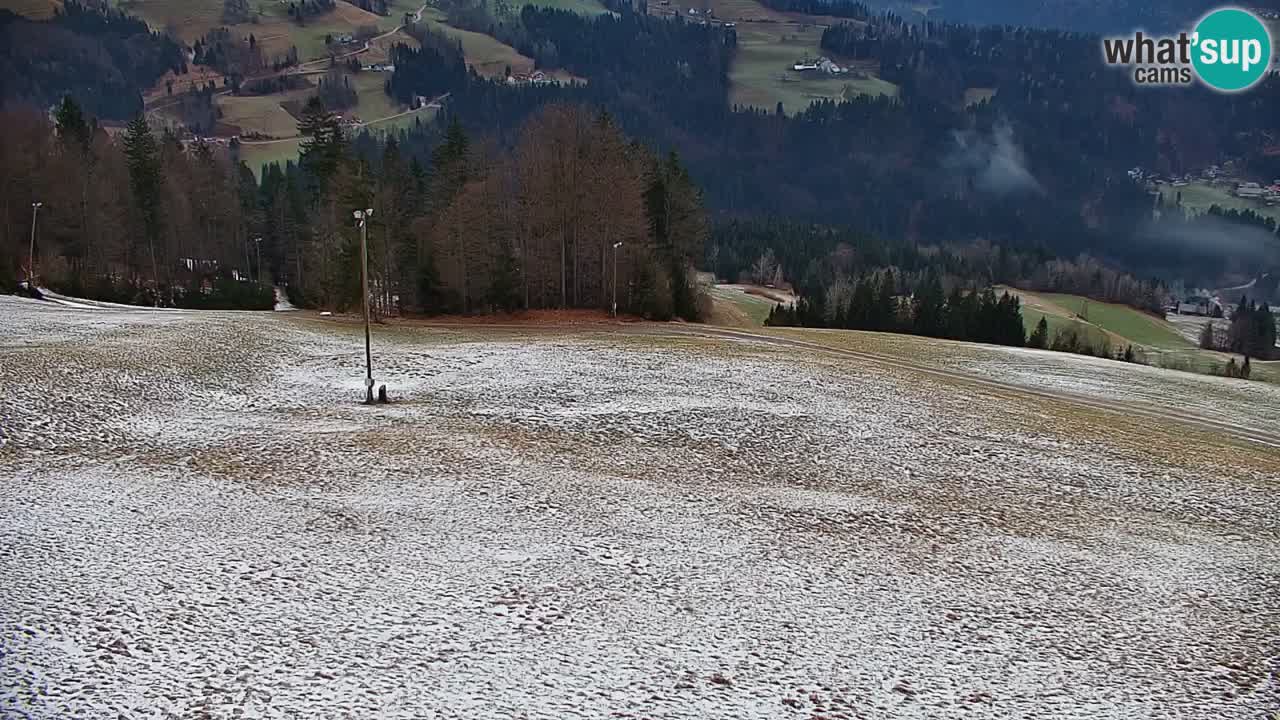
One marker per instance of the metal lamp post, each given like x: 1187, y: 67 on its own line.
x: 31, y: 254
x: 363, y: 217
x: 615, y: 278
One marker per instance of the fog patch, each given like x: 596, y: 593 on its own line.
x: 1209, y: 235
x: 994, y: 161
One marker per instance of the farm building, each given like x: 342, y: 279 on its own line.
x: 1202, y: 306
x: 537, y: 77
x: 822, y: 64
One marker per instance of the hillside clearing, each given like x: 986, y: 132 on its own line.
x: 590, y: 8
x: 273, y: 28
x: 761, y: 75
x: 752, y: 11
x: 977, y: 95
x: 34, y: 9
x: 257, y: 154
x: 262, y: 114
x: 1119, y: 322
x: 374, y: 101
x: 739, y: 308
x: 1199, y: 196
x: 486, y: 54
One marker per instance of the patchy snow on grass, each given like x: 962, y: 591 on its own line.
x: 199, y: 519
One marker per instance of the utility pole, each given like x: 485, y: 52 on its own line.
x: 258, y: 244
x: 363, y: 216
x: 31, y: 255
x: 615, y: 278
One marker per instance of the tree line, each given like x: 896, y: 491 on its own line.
x: 137, y: 218
x: 816, y: 257
x: 1251, y: 332
x: 875, y: 302
x: 574, y: 216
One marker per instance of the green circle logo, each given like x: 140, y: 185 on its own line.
x: 1231, y: 50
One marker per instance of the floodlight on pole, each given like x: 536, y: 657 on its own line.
x: 363, y: 216
x: 615, y: 277
x: 31, y: 253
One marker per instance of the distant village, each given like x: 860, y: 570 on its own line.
x: 1220, y: 176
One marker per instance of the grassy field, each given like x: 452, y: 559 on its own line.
x: 266, y: 114
x: 401, y: 121
x: 1120, y: 320
x: 590, y: 8
x: 761, y: 74
x: 483, y: 52
x: 1199, y: 196
x: 309, y: 38
x: 263, y: 113
x: 745, y: 11
x: 751, y: 11
x: 255, y: 155
x: 1092, y: 334
x: 380, y: 50
x: 190, y: 19
x: 973, y: 96
x: 374, y: 101
x: 735, y: 308
x: 1161, y: 343
x: 35, y: 9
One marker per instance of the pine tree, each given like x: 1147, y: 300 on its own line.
x: 886, y: 313
x: 1206, y: 337
x: 929, y: 316
x: 323, y: 144
x: 143, y: 158
x: 71, y: 124
x: 1040, y: 337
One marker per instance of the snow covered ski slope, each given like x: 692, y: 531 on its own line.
x: 197, y: 520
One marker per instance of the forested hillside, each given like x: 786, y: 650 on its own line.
x: 1042, y: 162
x: 549, y: 225
x: 104, y: 58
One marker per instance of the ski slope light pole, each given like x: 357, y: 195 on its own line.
x: 615, y: 278
x: 31, y: 254
x: 363, y: 216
